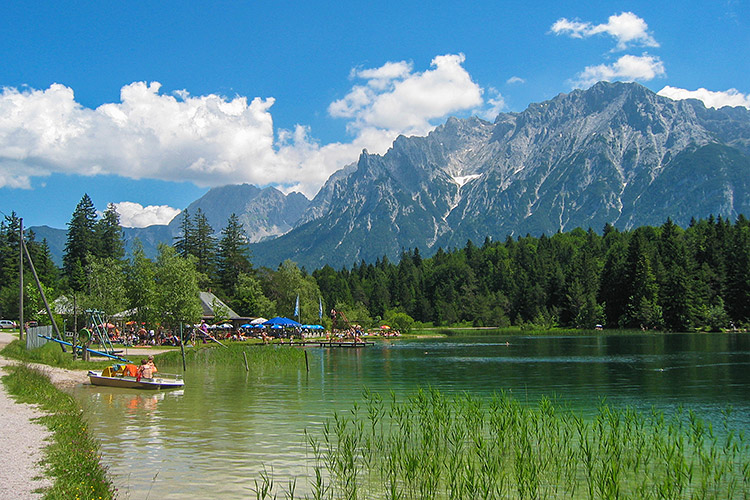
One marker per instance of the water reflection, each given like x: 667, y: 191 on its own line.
x: 214, y: 438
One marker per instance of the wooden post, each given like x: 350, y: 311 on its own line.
x: 20, y: 279
x: 182, y: 347
x: 307, y: 364
x: 41, y: 291
x: 244, y: 355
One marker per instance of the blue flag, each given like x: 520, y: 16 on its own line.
x: 296, y: 307
x: 320, y: 308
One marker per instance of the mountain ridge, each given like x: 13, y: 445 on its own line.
x: 614, y: 153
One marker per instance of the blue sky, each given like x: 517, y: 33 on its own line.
x: 149, y: 104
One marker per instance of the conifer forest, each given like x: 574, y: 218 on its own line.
x: 664, y: 278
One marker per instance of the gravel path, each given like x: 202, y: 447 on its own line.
x: 21, y: 438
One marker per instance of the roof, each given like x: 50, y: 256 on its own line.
x: 209, y: 301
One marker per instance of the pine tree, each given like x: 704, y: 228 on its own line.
x: 184, y: 244
x: 109, y: 235
x: 204, y: 244
x: 232, y: 256
x: 80, y: 243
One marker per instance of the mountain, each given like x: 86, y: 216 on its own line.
x: 263, y: 213
x: 615, y: 153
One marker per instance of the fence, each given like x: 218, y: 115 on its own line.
x: 33, y: 340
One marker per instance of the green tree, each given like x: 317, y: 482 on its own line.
x: 185, y: 242
x: 140, y: 285
x: 205, y: 245
x: 232, y: 258
x: 80, y: 243
x: 399, y: 320
x: 285, y: 284
x: 250, y: 299
x: 676, y: 296
x: 108, y: 235
x: 106, y: 285
x: 177, y: 294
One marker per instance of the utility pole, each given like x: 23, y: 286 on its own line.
x: 20, y: 279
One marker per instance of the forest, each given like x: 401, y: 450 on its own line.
x: 665, y: 278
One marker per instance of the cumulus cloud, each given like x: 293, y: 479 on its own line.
x: 398, y: 99
x: 626, y: 28
x: 712, y: 99
x: 213, y: 140
x: 136, y: 215
x: 627, y: 68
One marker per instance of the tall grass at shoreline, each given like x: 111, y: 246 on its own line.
x: 258, y: 356
x: 72, y: 456
x: 433, y: 446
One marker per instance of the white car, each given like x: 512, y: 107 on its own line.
x: 6, y: 323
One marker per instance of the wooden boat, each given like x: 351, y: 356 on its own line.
x: 119, y: 376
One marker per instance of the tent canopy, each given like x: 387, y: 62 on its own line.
x: 282, y: 322
x: 313, y: 327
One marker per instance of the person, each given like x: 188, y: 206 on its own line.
x: 144, y: 371
x: 151, y: 364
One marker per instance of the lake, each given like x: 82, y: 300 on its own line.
x: 214, y: 438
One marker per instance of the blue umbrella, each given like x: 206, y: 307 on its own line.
x: 282, y: 322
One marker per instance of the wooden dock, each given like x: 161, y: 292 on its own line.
x: 335, y: 343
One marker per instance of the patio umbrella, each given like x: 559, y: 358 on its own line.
x: 282, y: 322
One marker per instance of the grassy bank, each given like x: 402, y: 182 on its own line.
x: 258, y: 356
x: 50, y: 354
x: 72, y: 457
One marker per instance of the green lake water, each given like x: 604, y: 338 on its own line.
x: 214, y: 438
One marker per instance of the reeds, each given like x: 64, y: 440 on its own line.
x: 258, y: 356
x: 433, y: 446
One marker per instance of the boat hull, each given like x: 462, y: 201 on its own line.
x: 155, y: 383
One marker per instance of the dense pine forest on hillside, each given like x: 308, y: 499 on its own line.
x: 666, y: 277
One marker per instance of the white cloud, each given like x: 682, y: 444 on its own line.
x: 626, y: 28
x: 136, y: 215
x: 213, y: 140
x: 711, y: 99
x: 397, y: 99
x: 626, y: 68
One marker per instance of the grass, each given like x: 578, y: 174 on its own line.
x: 50, y: 354
x: 72, y: 457
x: 258, y: 356
x: 433, y: 446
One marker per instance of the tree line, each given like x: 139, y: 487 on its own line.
x: 665, y: 277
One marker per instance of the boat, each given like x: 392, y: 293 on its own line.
x: 125, y: 376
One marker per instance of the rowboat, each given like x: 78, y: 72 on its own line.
x: 114, y: 377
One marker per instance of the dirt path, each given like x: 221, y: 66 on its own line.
x: 21, y: 437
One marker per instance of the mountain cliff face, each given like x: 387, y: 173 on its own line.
x: 615, y: 153
x: 263, y: 213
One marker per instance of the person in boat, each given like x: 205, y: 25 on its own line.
x: 151, y: 364
x: 144, y: 371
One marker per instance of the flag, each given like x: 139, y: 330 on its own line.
x: 320, y: 308
x: 296, y: 307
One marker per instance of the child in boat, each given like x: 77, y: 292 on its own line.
x: 145, y: 370
x: 151, y: 364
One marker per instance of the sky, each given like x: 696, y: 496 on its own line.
x: 147, y: 105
